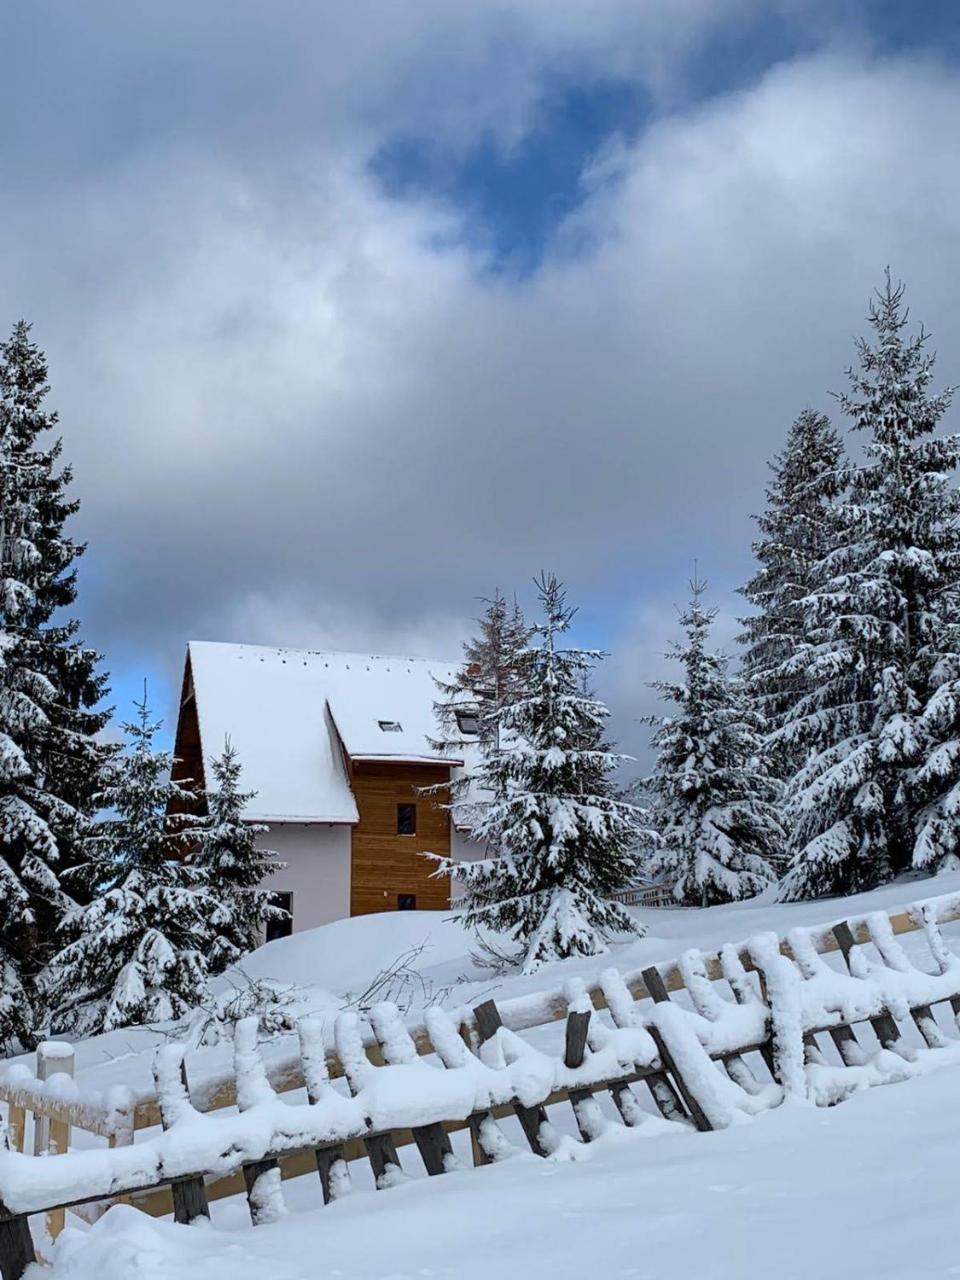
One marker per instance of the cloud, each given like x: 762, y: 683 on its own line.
x: 301, y: 410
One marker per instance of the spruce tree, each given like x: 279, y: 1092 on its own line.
x: 880, y: 661
x: 136, y: 953
x: 232, y: 867
x: 489, y: 677
x: 714, y: 801
x: 561, y: 840
x: 797, y: 529
x: 50, y: 761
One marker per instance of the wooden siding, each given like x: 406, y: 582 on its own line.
x: 385, y: 864
x: 188, y: 756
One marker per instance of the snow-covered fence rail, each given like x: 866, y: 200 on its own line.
x: 747, y: 1040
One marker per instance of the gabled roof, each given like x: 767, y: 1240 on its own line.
x: 287, y: 711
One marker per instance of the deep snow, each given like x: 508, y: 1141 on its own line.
x: 862, y: 1188
x: 867, y: 1188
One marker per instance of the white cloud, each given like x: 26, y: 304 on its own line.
x: 294, y: 417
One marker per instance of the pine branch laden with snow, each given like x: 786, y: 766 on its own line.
x: 877, y: 718
x: 798, y: 528
x: 715, y: 803
x: 226, y: 856
x: 560, y: 841
x: 50, y: 761
x: 136, y: 954
x: 489, y: 679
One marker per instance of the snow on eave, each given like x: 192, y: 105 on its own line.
x: 403, y: 758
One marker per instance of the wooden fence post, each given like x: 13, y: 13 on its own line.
x: 886, y: 1030
x: 189, y: 1194
x: 52, y: 1136
x: 658, y: 990
x: 532, y: 1119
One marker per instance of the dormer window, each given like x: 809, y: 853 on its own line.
x: 390, y: 726
x: 468, y: 722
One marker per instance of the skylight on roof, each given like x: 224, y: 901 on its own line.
x: 390, y: 726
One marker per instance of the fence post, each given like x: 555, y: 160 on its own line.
x: 52, y: 1136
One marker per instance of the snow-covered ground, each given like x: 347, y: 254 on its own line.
x: 328, y: 967
x: 862, y: 1188
x: 867, y: 1188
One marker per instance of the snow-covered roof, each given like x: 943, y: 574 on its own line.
x: 285, y: 709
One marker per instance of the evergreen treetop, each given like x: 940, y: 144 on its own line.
x: 798, y: 528
x: 232, y: 866
x: 50, y: 762
x: 714, y: 804
x: 136, y: 953
x: 880, y: 657
x: 562, y: 840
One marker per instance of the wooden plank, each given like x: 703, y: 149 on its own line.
x: 331, y: 1165
x: 16, y: 1246
x: 397, y: 1047
x: 532, y: 1119
x: 383, y: 864
x: 885, y: 1028
x: 16, y: 1126
x: 657, y: 988
x: 582, y: 1100
x: 189, y: 1195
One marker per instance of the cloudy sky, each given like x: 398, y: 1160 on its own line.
x: 357, y: 311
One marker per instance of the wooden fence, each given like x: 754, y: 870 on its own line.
x: 753, y: 1008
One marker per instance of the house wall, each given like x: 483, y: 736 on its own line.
x: 464, y: 850
x: 384, y: 863
x: 317, y: 871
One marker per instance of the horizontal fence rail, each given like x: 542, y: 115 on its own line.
x: 745, y: 1039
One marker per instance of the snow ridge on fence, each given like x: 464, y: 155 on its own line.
x: 745, y: 1042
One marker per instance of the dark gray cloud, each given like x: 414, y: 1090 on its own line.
x: 296, y: 417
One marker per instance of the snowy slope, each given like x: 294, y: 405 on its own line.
x: 863, y: 1189
x: 327, y: 967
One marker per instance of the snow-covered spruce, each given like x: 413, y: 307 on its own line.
x: 797, y: 529
x: 879, y: 721
x: 714, y: 802
x: 490, y: 677
x: 232, y: 867
x: 560, y: 839
x: 136, y: 953
x: 50, y: 762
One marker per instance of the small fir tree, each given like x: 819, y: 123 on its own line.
x: 136, y: 953
x: 561, y: 839
x: 880, y: 662
x: 714, y: 801
x: 232, y: 867
x: 797, y: 530
x: 50, y: 761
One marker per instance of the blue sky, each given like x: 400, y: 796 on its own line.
x: 355, y: 314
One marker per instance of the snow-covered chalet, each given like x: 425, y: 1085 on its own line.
x: 338, y: 748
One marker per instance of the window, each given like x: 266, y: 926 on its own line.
x: 468, y: 722
x: 280, y: 926
x: 390, y: 726
x: 406, y: 819
x: 406, y: 902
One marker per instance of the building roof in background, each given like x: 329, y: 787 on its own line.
x: 284, y: 710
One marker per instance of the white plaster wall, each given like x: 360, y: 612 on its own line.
x: 464, y: 850
x: 317, y: 871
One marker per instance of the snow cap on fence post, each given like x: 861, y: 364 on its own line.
x: 252, y: 1083
x: 313, y: 1056
x: 169, y: 1075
